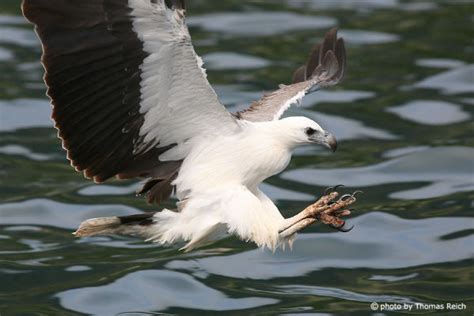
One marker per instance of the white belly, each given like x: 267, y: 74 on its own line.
x: 217, y: 213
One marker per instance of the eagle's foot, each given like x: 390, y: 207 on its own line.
x: 328, y: 209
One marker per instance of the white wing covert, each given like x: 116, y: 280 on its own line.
x: 177, y: 99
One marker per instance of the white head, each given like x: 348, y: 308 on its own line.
x: 299, y: 130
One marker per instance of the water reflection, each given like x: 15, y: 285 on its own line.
x: 393, y: 278
x: 425, y: 165
x: 16, y: 114
x: 363, y: 5
x: 105, y: 189
x: 5, y: 54
x: 11, y: 20
x: 45, y: 212
x: 339, y: 96
x: 458, y: 80
x: 17, y: 36
x: 153, y: 290
x: 25, y: 152
x: 78, y: 268
x: 439, y: 63
x: 259, y: 23
x: 360, y: 37
x: 345, y: 4
x: 339, y: 293
x: 232, y: 61
x: 430, y: 112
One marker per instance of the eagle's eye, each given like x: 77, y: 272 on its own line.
x: 309, y: 131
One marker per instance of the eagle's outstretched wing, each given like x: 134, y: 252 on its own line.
x: 125, y: 84
x: 325, y: 67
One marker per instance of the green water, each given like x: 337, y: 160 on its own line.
x: 403, y: 118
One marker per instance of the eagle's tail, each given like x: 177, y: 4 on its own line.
x: 165, y: 227
x: 116, y: 225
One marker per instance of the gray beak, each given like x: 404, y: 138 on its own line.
x: 331, y: 141
x: 327, y: 140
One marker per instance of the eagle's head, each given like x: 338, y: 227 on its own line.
x: 301, y: 130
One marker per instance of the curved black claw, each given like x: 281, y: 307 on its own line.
x: 341, y: 228
x: 346, y: 196
x: 332, y: 189
x: 356, y: 192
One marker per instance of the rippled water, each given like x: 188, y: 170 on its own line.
x: 403, y: 117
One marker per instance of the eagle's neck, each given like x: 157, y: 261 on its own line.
x: 267, y: 150
x: 278, y: 133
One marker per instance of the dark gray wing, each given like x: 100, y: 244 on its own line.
x: 126, y: 86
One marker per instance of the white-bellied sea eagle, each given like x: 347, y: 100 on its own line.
x: 131, y: 99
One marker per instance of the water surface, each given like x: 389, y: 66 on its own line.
x: 403, y: 118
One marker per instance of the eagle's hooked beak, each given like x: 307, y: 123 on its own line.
x: 327, y: 140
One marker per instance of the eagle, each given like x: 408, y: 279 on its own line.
x: 130, y: 99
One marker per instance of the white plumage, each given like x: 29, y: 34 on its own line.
x: 219, y: 180
x: 164, y: 121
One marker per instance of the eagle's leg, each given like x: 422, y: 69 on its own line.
x: 327, y: 210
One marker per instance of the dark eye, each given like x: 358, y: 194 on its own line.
x: 309, y: 131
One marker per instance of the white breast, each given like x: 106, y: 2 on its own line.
x: 246, y: 158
